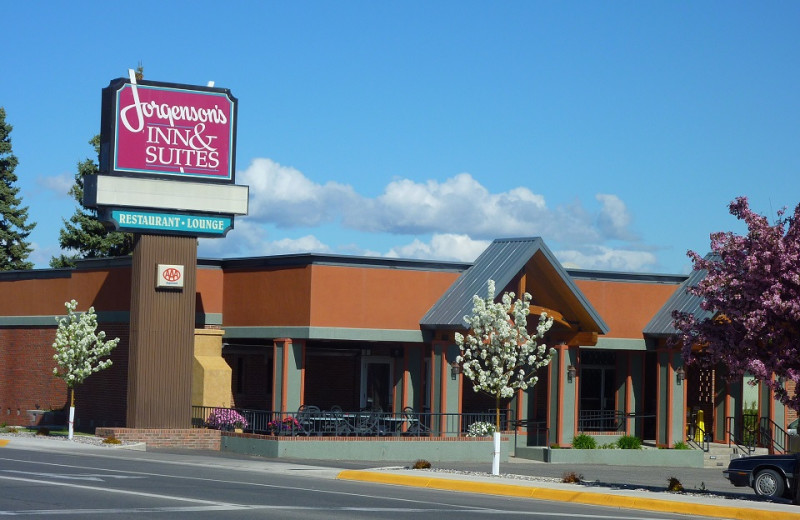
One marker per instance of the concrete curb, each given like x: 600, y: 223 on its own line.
x: 579, y: 497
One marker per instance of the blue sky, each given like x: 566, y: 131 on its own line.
x: 617, y: 131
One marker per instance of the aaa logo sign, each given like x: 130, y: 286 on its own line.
x: 169, y: 276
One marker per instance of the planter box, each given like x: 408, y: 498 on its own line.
x: 646, y: 457
x: 433, y: 449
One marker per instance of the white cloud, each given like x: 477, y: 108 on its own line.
x: 285, y: 197
x: 58, y: 184
x: 446, y: 246
x: 248, y: 238
x: 614, y: 218
x: 606, y: 258
x: 460, y: 215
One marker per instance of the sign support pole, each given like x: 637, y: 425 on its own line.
x: 161, y: 335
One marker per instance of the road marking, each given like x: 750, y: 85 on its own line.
x: 62, y: 476
x: 234, y: 507
x: 120, y: 491
x: 3, y: 442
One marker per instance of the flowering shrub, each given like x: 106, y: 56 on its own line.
x: 288, y: 423
x: 225, y: 419
x: 480, y: 429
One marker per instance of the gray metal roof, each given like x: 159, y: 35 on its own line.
x: 501, y: 262
x: 681, y: 300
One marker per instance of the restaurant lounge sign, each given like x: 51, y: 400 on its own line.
x: 167, y: 159
x: 169, y: 129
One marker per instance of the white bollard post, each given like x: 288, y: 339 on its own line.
x: 496, y: 454
x: 71, y: 420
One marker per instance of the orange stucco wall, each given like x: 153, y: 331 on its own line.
x: 374, y: 298
x: 209, y: 290
x: 108, y: 290
x: 267, y: 297
x: 626, y: 307
x: 331, y: 296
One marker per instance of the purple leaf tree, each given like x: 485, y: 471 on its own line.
x: 752, y: 295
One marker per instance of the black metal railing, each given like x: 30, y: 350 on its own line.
x: 311, y: 421
x: 537, y: 431
x: 743, y: 434
x: 601, y: 420
x: 698, y: 437
x: 772, y: 436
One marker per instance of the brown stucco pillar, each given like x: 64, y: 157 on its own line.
x: 161, y: 350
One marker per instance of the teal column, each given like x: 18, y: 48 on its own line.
x: 671, y: 412
x: 288, y: 374
x: 278, y: 394
x: 562, y: 410
x: 553, y: 385
x: 732, y: 406
x: 634, y: 389
x: 678, y: 426
x: 412, y: 385
x: 295, y: 375
x: 446, y: 390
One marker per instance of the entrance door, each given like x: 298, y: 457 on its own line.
x: 598, y: 392
x: 376, y: 383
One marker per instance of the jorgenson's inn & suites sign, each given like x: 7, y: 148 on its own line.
x: 167, y: 159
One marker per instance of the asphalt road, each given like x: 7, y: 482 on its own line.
x: 118, y: 484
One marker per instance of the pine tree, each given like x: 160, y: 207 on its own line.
x: 14, y: 228
x: 83, y: 232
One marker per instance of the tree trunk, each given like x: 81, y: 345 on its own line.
x: 496, y: 438
x: 71, y: 411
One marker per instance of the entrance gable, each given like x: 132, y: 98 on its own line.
x: 521, y: 265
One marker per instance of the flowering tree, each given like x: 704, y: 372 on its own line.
x: 498, y: 354
x: 752, y: 291
x: 78, y: 350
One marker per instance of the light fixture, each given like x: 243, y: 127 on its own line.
x: 455, y: 369
x: 571, y: 371
x: 680, y: 375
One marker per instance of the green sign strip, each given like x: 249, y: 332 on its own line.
x: 182, y: 223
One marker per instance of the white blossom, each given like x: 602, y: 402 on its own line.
x: 498, y: 354
x: 78, y: 347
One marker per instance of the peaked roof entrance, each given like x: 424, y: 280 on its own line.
x: 521, y: 265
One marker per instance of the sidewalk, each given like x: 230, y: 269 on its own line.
x: 705, y: 505
x: 612, y: 486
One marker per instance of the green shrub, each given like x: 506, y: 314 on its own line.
x: 609, y: 446
x: 680, y: 445
x: 111, y: 440
x: 584, y: 442
x: 421, y: 464
x: 629, y: 442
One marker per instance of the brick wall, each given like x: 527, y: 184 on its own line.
x: 27, y: 381
x: 189, y: 438
x: 26, y: 374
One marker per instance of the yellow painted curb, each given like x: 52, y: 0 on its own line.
x: 578, y: 497
x: 3, y: 442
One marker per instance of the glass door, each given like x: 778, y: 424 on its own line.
x: 376, y: 383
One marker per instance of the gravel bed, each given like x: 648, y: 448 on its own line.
x: 79, y: 438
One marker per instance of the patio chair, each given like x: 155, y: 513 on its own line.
x: 367, y: 423
x: 415, y: 426
x: 307, y: 419
x: 338, y: 424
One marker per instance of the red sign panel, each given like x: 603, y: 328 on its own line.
x: 171, y: 274
x: 169, y: 130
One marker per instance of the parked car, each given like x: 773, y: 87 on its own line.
x: 769, y: 475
